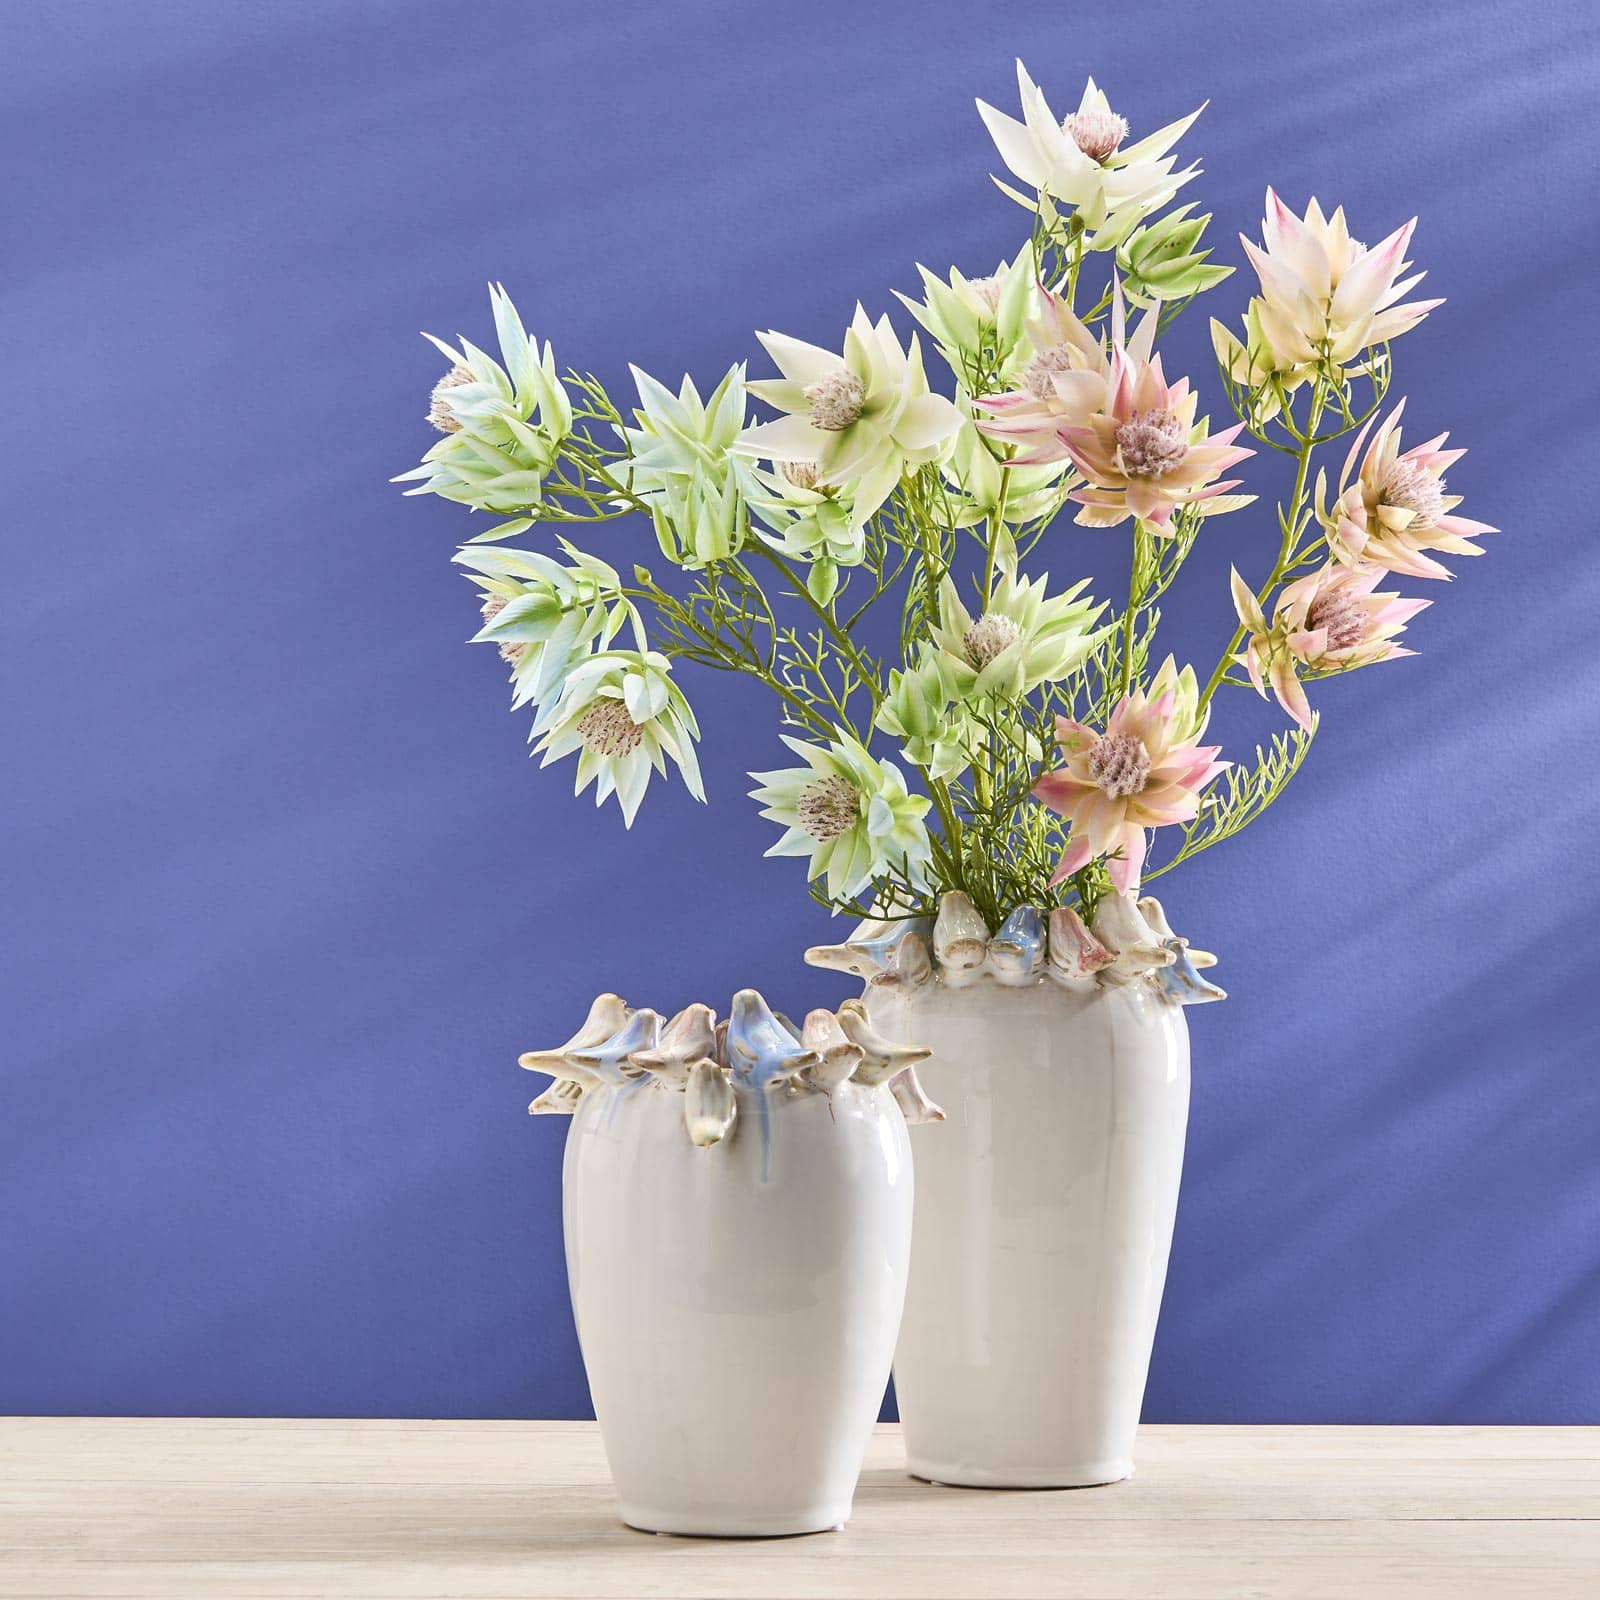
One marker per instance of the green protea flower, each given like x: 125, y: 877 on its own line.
x: 1161, y: 262
x: 809, y: 521
x: 1021, y: 640
x: 849, y: 812
x: 978, y: 479
x: 922, y: 711
x: 623, y: 714
x: 503, y: 426
x: 544, y: 616
x: 680, y: 466
x: 977, y: 323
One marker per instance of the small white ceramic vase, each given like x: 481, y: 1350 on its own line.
x: 737, y: 1240
x: 1045, y: 1205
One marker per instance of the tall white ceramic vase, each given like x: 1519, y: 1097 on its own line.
x: 1045, y: 1201
x: 737, y: 1239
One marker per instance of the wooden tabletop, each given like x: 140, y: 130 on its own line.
x: 398, y: 1510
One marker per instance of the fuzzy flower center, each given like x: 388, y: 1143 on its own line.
x: 1038, y: 377
x: 510, y: 653
x: 988, y: 291
x: 439, y: 412
x: 836, y: 400
x: 1341, y: 614
x: 802, y: 474
x: 1409, y: 487
x: 608, y: 730
x: 1120, y: 764
x: 1151, y: 443
x: 829, y: 807
x: 988, y: 636
x: 1096, y: 133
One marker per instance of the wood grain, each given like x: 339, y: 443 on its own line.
x: 404, y: 1510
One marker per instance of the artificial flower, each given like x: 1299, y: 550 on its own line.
x: 1395, y: 509
x: 544, y: 616
x: 1143, y: 453
x: 1143, y: 771
x: 1160, y: 261
x: 1250, y: 362
x: 1022, y: 638
x: 1329, y: 621
x: 623, y: 714
x: 680, y: 464
x: 861, y: 419
x: 983, y: 486
x: 503, y: 426
x: 1063, y: 382
x: 1187, y: 718
x: 977, y: 323
x: 1081, y: 161
x: 922, y: 710
x: 808, y: 520
x: 1325, y: 297
x: 849, y: 812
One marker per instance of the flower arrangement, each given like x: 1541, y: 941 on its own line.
x: 961, y: 723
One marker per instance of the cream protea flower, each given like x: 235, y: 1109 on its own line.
x: 1325, y: 297
x: 860, y: 419
x: 849, y: 812
x: 503, y: 425
x: 1395, y: 509
x: 1329, y: 621
x: 680, y: 464
x: 1144, y: 771
x: 544, y: 616
x: 1021, y: 639
x: 1062, y: 382
x: 1143, y: 453
x: 1082, y: 160
x: 623, y: 714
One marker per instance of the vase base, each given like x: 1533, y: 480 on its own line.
x: 1071, y: 1475
x: 783, y: 1524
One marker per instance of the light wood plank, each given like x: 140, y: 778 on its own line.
x: 222, y: 1508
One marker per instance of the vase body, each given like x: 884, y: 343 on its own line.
x: 1044, y: 1214
x: 737, y: 1305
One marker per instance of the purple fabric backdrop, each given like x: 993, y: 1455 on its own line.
x: 284, y: 897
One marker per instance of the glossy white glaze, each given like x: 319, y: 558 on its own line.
x: 737, y: 1323
x: 1044, y: 1213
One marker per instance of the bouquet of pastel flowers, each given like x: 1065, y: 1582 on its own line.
x: 959, y: 721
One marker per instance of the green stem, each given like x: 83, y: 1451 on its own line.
x: 825, y: 616
x: 1290, y: 526
x: 1135, y: 598
x: 947, y: 814
x: 713, y: 646
x: 997, y: 520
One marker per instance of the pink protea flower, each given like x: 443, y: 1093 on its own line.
x: 1142, y: 453
x: 1144, y: 771
x: 1395, y: 508
x: 1329, y: 621
x: 1324, y: 294
x: 1063, y: 382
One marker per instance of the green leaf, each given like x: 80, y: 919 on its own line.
x: 503, y: 530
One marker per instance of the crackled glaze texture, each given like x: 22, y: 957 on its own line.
x: 1045, y: 1204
